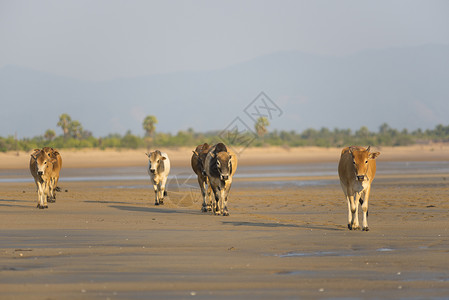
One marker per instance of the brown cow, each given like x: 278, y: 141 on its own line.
x: 357, y: 168
x: 55, y: 174
x: 220, y: 165
x: 197, y: 162
x: 44, y: 168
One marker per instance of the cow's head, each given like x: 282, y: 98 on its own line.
x: 224, y: 165
x: 43, y: 162
x: 360, y: 160
x: 155, y: 159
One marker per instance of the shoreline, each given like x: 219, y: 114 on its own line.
x: 96, y: 158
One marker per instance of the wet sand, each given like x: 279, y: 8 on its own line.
x: 106, y: 240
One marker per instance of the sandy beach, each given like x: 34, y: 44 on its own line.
x: 106, y: 239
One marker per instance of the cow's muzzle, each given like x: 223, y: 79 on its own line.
x: 152, y: 171
x: 224, y: 177
x: 40, y: 173
x: 360, y: 177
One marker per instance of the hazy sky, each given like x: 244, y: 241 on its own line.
x: 100, y: 40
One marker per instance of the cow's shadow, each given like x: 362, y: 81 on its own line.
x: 281, y: 225
x: 156, y: 209
x: 11, y: 203
x: 105, y: 202
x: 259, y: 224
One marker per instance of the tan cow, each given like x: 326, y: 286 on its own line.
x: 43, y: 168
x: 55, y: 174
x: 220, y: 166
x: 158, y: 169
x: 357, y: 168
x: 197, y: 162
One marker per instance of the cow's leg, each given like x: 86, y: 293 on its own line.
x: 215, y: 202
x: 40, y: 192
x: 52, y: 194
x: 46, y: 193
x: 353, y: 222
x: 225, y: 200
x: 355, y: 214
x: 209, y: 196
x: 162, y: 190
x: 156, y: 195
x: 203, y: 188
x: 365, y: 209
x: 222, y: 200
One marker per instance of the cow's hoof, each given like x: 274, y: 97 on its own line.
x: 204, y: 209
x: 51, y: 200
x: 41, y: 207
x: 161, y: 202
x: 225, y: 213
x: 349, y: 226
x: 156, y: 203
x: 365, y: 228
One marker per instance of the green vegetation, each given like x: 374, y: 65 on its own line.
x: 74, y: 136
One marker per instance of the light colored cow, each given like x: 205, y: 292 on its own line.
x: 220, y: 166
x: 357, y: 168
x: 158, y: 169
x: 42, y: 168
x: 197, y: 162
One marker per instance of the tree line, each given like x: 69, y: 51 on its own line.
x: 75, y: 136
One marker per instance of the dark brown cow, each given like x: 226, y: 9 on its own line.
x: 197, y: 162
x: 357, y: 168
x: 220, y: 166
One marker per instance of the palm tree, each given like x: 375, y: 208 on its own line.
x: 76, y: 129
x: 64, y: 122
x: 261, y: 126
x: 49, y: 134
x: 149, y: 125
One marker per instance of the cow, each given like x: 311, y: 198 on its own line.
x: 197, y: 162
x: 158, y: 169
x: 43, y: 167
x: 356, y: 169
x: 220, y: 166
x: 54, y: 178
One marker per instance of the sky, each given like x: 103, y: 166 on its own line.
x: 103, y: 40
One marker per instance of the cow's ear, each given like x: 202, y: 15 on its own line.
x: 374, y: 155
x: 212, y: 154
x: 367, y: 149
x: 148, y: 154
x: 163, y: 158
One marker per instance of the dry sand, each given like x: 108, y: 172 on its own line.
x: 106, y: 240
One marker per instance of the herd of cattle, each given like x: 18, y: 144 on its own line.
x: 215, y: 166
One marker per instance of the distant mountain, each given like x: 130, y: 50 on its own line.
x: 404, y: 87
